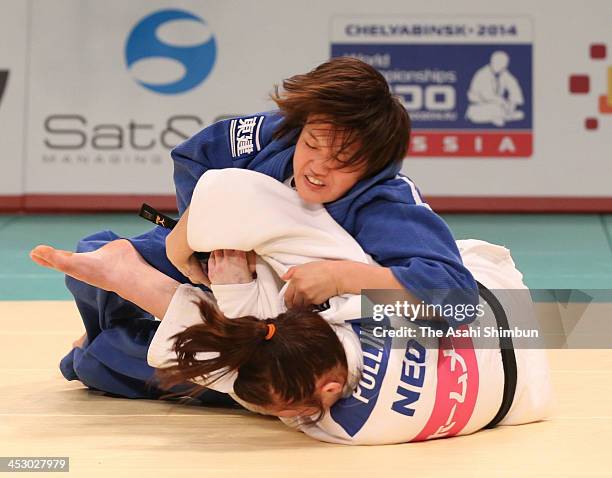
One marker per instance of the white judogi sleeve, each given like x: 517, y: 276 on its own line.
x: 183, y: 312
x: 238, y: 300
x: 261, y: 297
x: 243, y: 221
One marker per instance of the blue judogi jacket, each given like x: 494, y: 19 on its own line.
x: 385, y: 213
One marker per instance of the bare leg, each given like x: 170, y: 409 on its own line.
x: 116, y: 267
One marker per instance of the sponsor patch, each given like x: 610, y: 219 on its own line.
x: 244, y: 135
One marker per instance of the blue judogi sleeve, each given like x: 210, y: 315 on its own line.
x: 418, y: 247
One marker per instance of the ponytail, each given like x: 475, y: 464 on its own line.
x: 235, y: 341
x: 276, y: 359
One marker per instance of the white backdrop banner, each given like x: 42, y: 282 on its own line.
x: 511, y: 101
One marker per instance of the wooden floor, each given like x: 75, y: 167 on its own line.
x: 44, y: 415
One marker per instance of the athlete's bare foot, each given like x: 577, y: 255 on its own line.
x: 80, y: 341
x: 110, y: 267
x: 116, y: 267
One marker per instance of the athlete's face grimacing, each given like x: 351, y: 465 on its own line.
x: 319, y: 176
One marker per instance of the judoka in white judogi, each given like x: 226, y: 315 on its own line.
x: 398, y: 390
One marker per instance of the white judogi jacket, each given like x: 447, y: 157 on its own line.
x: 396, y: 391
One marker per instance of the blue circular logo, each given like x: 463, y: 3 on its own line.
x: 144, y: 44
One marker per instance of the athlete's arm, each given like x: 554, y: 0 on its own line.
x: 352, y: 277
x: 315, y: 282
x: 181, y: 255
x: 417, y: 247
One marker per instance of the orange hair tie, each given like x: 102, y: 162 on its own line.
x: 271, y: 330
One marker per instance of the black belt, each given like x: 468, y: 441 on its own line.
x: 507, y: 355
x: 156, y: 217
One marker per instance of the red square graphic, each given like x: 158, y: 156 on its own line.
x: 579, y: 84
x: 591, y: 123
x: 598, y: 51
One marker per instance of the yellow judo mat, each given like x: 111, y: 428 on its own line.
x: 44, y: 415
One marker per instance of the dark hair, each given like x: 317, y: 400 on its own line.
x: 355, y: 99
x: 286, y: 367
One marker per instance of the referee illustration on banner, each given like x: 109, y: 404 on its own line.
x: 495, y: 93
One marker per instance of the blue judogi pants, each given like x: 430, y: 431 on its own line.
x: 114, y: 356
